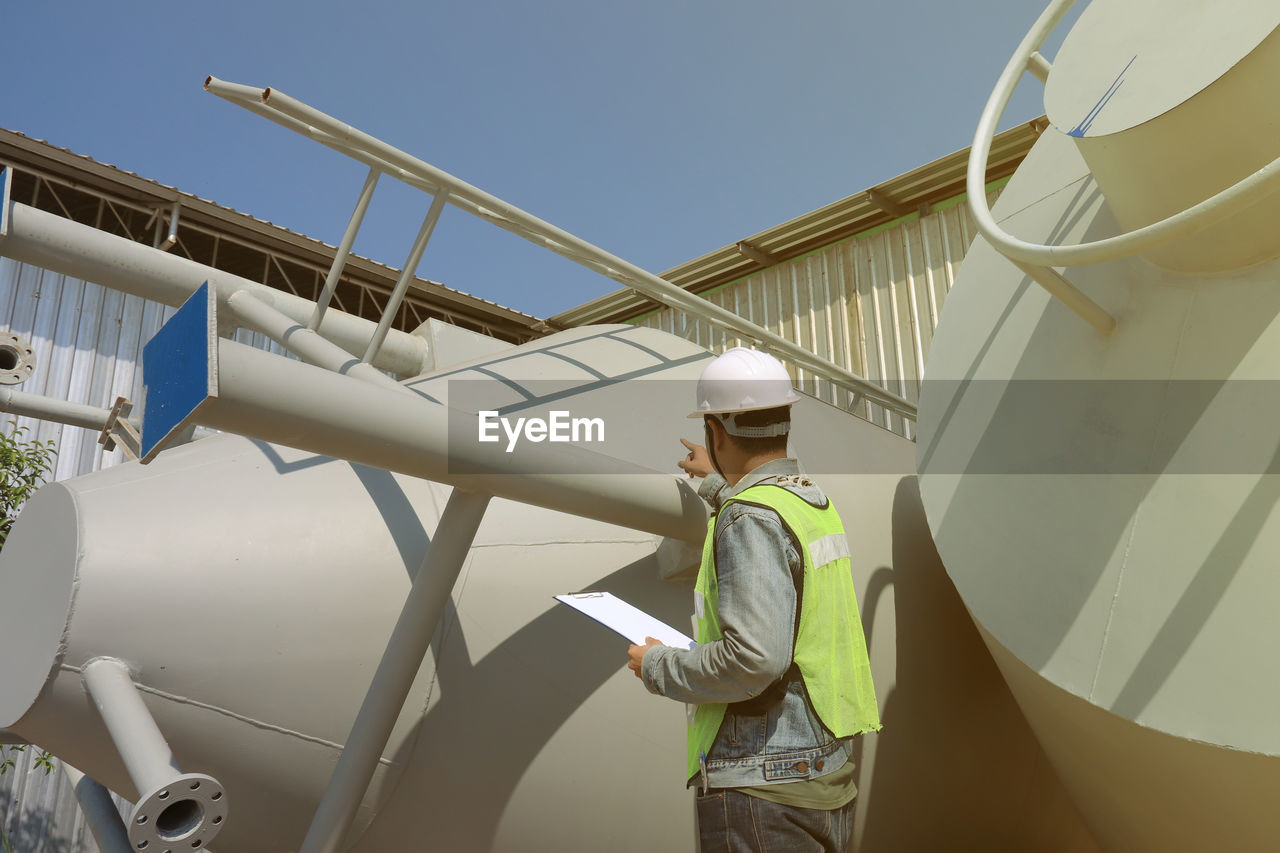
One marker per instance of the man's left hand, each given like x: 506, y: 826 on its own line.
x: 635, y: 654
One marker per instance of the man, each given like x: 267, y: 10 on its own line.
x: 780, y: 678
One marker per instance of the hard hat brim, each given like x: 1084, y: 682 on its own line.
x: 787, y: 404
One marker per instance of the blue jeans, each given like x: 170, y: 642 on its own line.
x: 730, y: 821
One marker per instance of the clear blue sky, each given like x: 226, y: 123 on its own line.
x: 659, y: 131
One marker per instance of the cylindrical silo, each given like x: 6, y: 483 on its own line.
x: 1105, y: 503
x: 250, y: 589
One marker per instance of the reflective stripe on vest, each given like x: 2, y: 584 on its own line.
x: 830, y: 649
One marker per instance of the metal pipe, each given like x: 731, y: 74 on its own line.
x: 99, y: 811
x: 6, y: 190
x: 1039, y: 66
x: 344, y: 249
x: 1069, y: 295
x: 303, y: 342
x: 400, y: 663
x: 407, y: 274
x: 1248, y: 190
x: 172, y: 239
x: 52, y: 409
x: 275, y: 399
x: 146, y: 754
x: 172, y: 806
x: 346, y: 139
x: 54, y: 243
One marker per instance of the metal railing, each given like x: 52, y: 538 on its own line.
x: 1036, y: 259
x: 384, y: 158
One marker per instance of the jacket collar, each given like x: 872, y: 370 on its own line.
x: 768, y: 471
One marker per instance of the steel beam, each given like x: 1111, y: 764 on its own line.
x: 407, y: 274
x: 302, y: 342
x: 344, y: 249
x: 342, y: 137
x: 279, y: 400
x: 400, y: 663
x: 53, y: 409
x: 99, y: 812
x: 55, y: 243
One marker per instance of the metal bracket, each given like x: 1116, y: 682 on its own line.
x: 888, y: 205
x: 120, y: 431
x: 757, y: 254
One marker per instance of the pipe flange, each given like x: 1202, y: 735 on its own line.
x: 17, y: 360
x: 180, y: 817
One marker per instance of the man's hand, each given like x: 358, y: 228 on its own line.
x: 698, y: 462
x: 635, y: 654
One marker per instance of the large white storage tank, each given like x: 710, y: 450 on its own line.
x: 250, y: 588
x: 1104, y: 499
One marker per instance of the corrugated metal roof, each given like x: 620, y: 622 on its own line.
x: 939, y: 181
x: 39, y: 156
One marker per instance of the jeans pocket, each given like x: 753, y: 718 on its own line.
x: 715, y: 828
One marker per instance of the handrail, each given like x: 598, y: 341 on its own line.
x: 373, y: 152
x: 1026, y: 57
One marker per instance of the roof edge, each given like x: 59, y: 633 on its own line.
x: 934, y: 183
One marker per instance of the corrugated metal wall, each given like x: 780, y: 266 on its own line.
x: 40, y: 811
x: 88, y: 343
x: 869, y: 303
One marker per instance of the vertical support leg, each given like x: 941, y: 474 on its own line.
x: 344, y: 248
x: 99, y: 812
x: 396, y: 671
x: 6, y: 190
x: 406, y: 274
x: 172, y: 806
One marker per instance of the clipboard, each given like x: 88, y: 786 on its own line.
x: 622, y: 618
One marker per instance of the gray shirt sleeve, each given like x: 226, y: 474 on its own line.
x: 755, y: 556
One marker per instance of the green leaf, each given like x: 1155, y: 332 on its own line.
x: 24, y: 465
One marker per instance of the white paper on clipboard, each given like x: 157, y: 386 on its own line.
x: 630, y: 622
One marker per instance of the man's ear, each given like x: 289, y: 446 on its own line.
x: 715, y: 432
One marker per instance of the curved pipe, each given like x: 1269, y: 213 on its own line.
x: 1212, y: 210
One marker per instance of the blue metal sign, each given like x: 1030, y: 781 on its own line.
x: 179, y: 370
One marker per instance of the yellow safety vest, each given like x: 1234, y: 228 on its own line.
x: 830, y: 649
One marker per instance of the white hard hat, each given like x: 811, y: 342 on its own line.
x: 743, y: 380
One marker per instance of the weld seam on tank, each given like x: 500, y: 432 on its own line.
x: 241, y: 718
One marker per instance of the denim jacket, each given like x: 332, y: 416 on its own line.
x: 770, y: 733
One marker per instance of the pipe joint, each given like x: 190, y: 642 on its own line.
x: 17, y: 359
x: 184, y: 814
x: 175, y: 810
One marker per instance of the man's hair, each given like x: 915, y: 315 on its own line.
x: 760, y: 418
